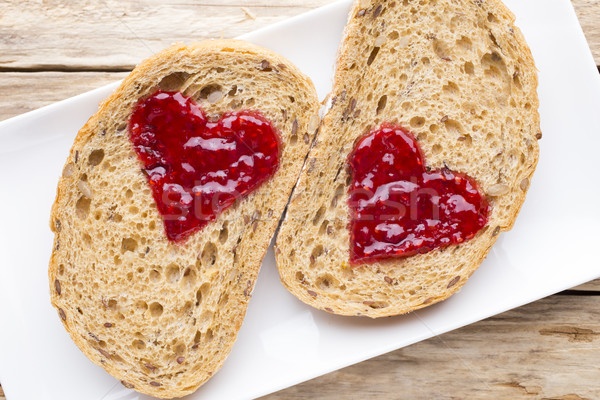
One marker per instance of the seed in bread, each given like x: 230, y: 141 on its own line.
x: 158, y: 315
x: 460, y: 77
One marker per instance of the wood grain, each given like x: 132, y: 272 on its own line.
x: 545, y: 350
x: 50, y: 87
x: 116, y: 34
x: 588, y: 12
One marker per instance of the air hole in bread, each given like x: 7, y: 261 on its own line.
x: 492, y: 18
x: 223, y: 300
x: 111, y: 305
x: 436, y: 149
x: 325, y: 282
x: 211, y: 90
x: 453, y: 127
x: 376, y: 304
x: 155, y: 275
x: 138, y: 344
x: 318, y: 216
x: 156, y: 309
x: 141, y: 306
x: 173, y: 81
x: 209, y: 254
x: 469, y: 68
x: 316, y: 253
x: 233, y: 91
x: 87, y: 239
x: 82, y: 207
x: 466, y: 139
x: 173, y: 273
x: 300, y: 276
x: 197, y: 338
x: 425, y: 61
x: 235, y: 104
x: 188, y: 280
x: 294, y: 134
x: 336, y: 197
x: 372, y: 55
x: 450, y: 88
x: 179, y: 348
x: 517, y: 83
x: 417, y: 122
x: 96, y: 157
x: 223, y: 233
x: 441, y: 50
x: 198, y: 297
x: 250, y: 102
x: 493, y: 39
x: 323, y: 228
x: 464, y: 43
x: 128, y: 244
x: 187, y: 308
x: 381, y: 104
x: 215, y: 97
x: 203, y: 292
x: 208, y: 337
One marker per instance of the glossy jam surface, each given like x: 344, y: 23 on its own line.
x: 398, y: 208
x: 197, y: 168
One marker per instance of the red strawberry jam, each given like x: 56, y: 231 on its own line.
x: 197, y: 168
x: 398, y: 208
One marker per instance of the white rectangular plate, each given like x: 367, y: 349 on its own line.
x: 283, y: 342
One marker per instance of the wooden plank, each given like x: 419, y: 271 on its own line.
x: 588, y: 12
x: 17, y: 88
x: 543, y: 350
x: 117, y: 34
x: 593, y: 286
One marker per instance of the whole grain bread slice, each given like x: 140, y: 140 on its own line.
x: 162, y: 316
x: 459, y: 75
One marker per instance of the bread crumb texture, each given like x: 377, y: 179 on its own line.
x: 162, y: 316
x: 459, y: 75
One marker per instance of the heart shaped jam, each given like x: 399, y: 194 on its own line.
x: 398, y: 208
x: 197, y: 168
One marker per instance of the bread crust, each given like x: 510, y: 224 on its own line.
x: 161, y: 329
x: 313, y: 258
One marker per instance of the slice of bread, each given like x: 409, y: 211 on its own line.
x: 163, y: 316
x: 460, y: 77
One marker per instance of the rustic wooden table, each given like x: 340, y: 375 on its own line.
x: 52, y: 49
